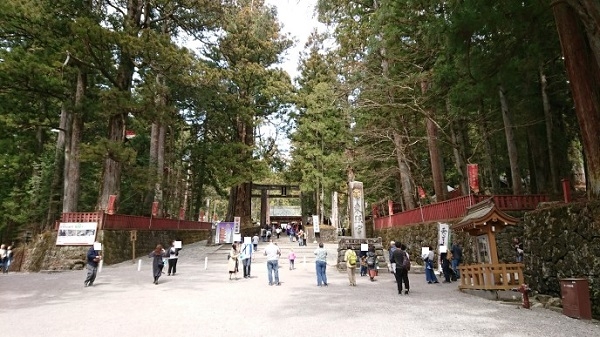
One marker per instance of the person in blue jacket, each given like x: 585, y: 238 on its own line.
x: 93, y: 258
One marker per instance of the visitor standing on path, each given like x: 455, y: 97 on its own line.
x: 350, y: 257
x: 272, y: 252
x: 246, y: 256
x: 93, y: 257
x: 292, y: 258
x: 429, y: 271
x: 173, y: 257
x: 157, y: 262
x: 255, y: 241
x: 2, y: 256
x: 232, y: 263
x: 456, y: 258
x: 402, y: 262
x: 321, y: 265
x: 372, y: 263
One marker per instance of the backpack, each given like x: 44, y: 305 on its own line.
x: 406, y: 262
x: 352, y: 259
x: 371, y: 260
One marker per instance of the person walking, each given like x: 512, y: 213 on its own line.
x: 246, y: 256
x: 272, y: 252
x: 232, y: 263
x: 2, y: 256
x: 292, y: 258
x: 321, y: 265
x: 351, y: 259
x: 8, y: 260
x: 456, y: 258
x: 173, y: 257
x: 255, y: 241
x: 392, y: 266
x: 445, y: 267
x: 157, y: 262
x: 429, y: 271
x: 372, y: 263
x: 93, y: 257
x: 402, y: 263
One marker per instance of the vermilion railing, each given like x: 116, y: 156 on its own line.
x: 457, y: 208
x: 133, y: 222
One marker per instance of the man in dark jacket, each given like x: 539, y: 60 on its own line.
x: 456, y: 258
x: 401, y: 273
x: 93, y: 257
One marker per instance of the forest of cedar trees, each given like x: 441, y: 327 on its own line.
x: 184, y: 103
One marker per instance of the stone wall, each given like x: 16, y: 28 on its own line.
x: 344, y: 242
x: 43, y: 254
x: 562, y: 242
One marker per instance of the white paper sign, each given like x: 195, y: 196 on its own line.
x: 364, y: 247
x: 237, y: 237
x: 424, y: 251
x: 177, y: 244
x: 97, y: 246
x: 247, y: 239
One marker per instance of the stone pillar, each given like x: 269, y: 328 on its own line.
x: 357, y: 209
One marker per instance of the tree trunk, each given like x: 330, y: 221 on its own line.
x: 511, y: 145
x: 437, y: 171
x: 488, y: 167
x: 111, y: 170
x: 458, y: 148
x: 582, y: 61
x: 405, y: 178
x: 59, y: 164
x: 72, y: 184
x: 549, y: 131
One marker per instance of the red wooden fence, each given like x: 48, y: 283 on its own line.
x: 456, y: 208
x: 131, y: 222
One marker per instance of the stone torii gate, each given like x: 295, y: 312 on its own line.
x: 285, y: 191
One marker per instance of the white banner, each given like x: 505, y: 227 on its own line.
x: 443, y: 239
x: 76, y: 233
x: 316, y: 223
x: 357, y: 210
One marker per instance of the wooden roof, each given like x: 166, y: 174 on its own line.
x: 479, y: 214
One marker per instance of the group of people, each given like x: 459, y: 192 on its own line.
x: 159, y: 256
x: 6, y: 257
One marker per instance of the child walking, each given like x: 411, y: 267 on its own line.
x: 363, y: 265
x: 292, y: 257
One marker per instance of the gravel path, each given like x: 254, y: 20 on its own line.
x: 203, y: 302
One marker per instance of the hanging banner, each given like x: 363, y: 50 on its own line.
x: 316, y: 223
x: 236, y: 228
x: 443, y: 239
x: 110, y: 209
x: 473, y: 174
x: 182, y: 213
x: 422, y: 193
x: 390, y: 207
x: 155, y: 208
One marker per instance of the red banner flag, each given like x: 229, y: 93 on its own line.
x: 473, y: 174
x: 155, y: 208
x: 110, y: 208
x: 421, y: 193
x: 390, y: 207
x: 182, y: 213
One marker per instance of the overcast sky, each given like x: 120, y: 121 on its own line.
x: 298, y: 19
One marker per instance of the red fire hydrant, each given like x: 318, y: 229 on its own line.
x: 524, y: 290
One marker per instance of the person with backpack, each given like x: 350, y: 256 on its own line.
x: 350, y: 257
x: 372, y: 263
x: 402, y: 260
